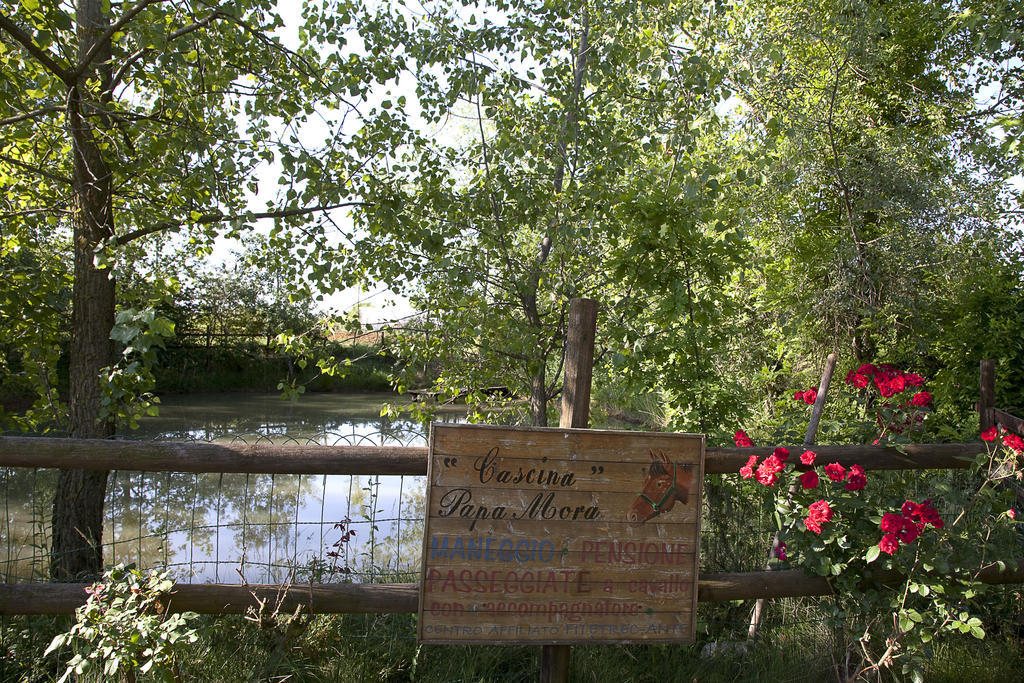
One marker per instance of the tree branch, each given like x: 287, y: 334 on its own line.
x: 209, y: 218
x: 36, y: 169
x: 31, y: 114
x: 12, y: 29
x: 191, y: 28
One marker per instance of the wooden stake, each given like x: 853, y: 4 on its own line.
x: 579, y: 371
x: 987, y: 395
x: 809, y: 437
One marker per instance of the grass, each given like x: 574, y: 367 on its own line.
x: 383, y: 648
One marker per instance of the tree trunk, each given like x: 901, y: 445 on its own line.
x: 538, y: 400
x: 78, y: 502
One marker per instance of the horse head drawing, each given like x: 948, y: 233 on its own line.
x: 665, y: 482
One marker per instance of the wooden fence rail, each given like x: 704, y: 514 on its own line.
x: 396, y: 598
x: 166, y: 456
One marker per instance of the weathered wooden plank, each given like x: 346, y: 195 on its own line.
x: 570, y: 498
x: 1011, y: 422
x: 169, y: 456
x: 64, y: 598
x: 548, y: 582
x: 540, y: 472
x: 395, y: 598
x: 986, y: 394
x: 528, y: 551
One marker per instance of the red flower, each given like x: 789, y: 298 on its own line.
x: 781, y: 453
x: 835, y: 471
x: 989, y: 434
x: 855, y: 479
x: 1014, y: 442
x: 820, y: 511
x: 780, y: 552
x: 808, y: 457
x: 742, y: 440
x: 1011, y: 513
x: 809, y: 480
x: 889, y: 544
x: 810, y: 396
x: 867, y: 369
x: 891, y: 522
x: 812, y: 525
x: 768, y: 471
x: 913, y: 379
x: 921, y: 398
x: 748, y: 470
x: 910, y: 531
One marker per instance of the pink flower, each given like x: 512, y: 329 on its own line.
x: 921, y: 398
x: 747, y: 471
x: 1011, y: 513
x: 889, y: 544
x: 989, y: 434
x: 855, y: 479
x: 809, y: 480
x: 807, y: 457
x: 835, y: 471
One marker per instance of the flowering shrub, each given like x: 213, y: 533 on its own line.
x: 836, y: 520
x: 119, y: 629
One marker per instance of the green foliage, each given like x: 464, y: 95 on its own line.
x: 119, y: 630
x: 128, y: 385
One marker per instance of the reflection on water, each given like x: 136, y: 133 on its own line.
x: 223, y: 527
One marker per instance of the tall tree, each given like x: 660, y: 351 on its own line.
x: 128, y: 122
x: 565, y: 105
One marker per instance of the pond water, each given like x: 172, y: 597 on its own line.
x: 234, y: 527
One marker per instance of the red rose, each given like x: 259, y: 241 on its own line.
x: 914, y: 379
x: 1014, y: 442
x: 867, y: 369
x: 781, y: 453
x: 820, y: 511
x: 742, y: 440
x: 989, y: 434
x: 889, y: 544
x: 812, y: 525
x: 748, y: 470
x: 891, y: 522
x: 835, y: 471
x: 921, y: 398
x: 809, y: 480
x: 855, y: 479
x: 808, y: 457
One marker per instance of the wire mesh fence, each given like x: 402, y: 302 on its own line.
x: 235, y: 528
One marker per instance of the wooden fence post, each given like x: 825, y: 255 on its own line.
x: 579, y: 370
x: 987, y: 395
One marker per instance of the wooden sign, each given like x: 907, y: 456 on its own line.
x: 560, y: 536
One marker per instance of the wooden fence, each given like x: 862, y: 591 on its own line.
x: 359, y: 460
x: 64, y: 598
